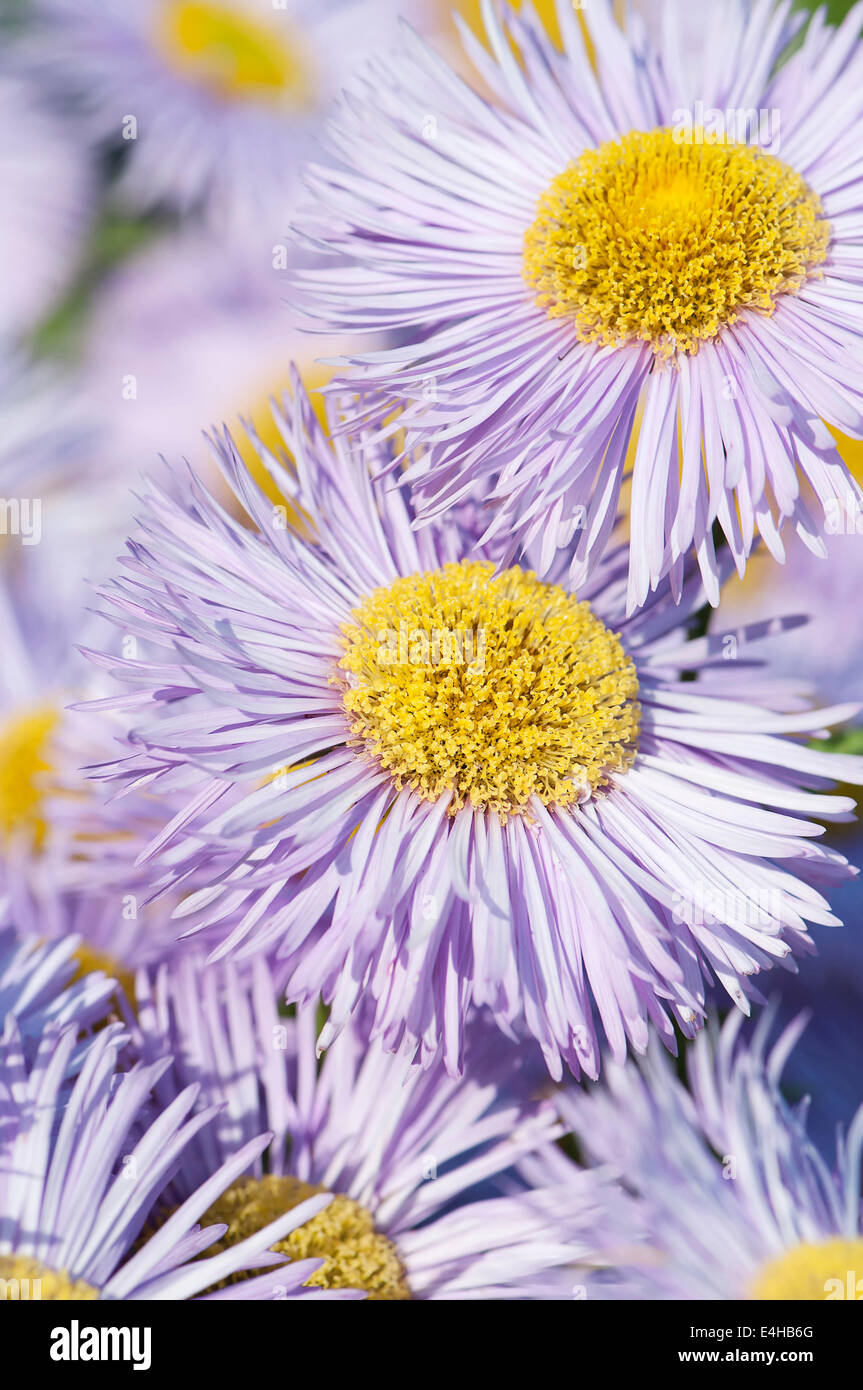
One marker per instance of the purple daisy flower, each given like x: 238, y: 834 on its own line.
x: 604, y: 263
x: 215, y: 103
x: 404, y: 1151
x: 418, y: 779
x: 82, y: 1167
x: 723, y: 1195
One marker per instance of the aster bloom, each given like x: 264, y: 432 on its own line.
x: 419, y: 780
x: 403, y: 1151
x: 216, y: 102
x: 80, y: 1171
x: 723, y: 1195
x: 610, y: 263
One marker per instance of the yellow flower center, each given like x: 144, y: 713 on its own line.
x: 343, y: 1235
x: 89, y: 959
x: 814, y: 1273
x: 494, y: 688
x: 667, y: 240
x: 236, y: 55
x: 23, y: 743
x: 23, y: 1280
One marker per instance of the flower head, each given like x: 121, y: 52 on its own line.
x: 599, y: 840
x: 626, y: 254
x: 215, y: 103
x: 405, y: 1153
x: 722, y: 1195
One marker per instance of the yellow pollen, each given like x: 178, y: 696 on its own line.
x: 89, y: 959
x: 25, y: 1280
x: 494, y: 688
x: 666, y: 240
x: 236, y: 55
x: 23, y: 744
x: 343, y: 1235
x: 813, y: 1273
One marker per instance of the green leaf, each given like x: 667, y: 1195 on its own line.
x: 113, y: 239
x: 844, y: 741
x: 836, y: 9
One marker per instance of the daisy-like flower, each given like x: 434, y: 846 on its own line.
x: 48, y: 183
x: 623, y: 253
x: 215, y: 102
x: 723, y: 1195
x: 82, y: 1167
x: 403, y: 1151
x: 40, y: 986
x: 421, y: 780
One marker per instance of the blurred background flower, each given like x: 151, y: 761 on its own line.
x: 211, y: 105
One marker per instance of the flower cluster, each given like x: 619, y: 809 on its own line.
x: 429, y: 709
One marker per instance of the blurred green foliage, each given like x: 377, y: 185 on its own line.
x: 112, y: 239
x: 843, y: 741
x: 836, y: 9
